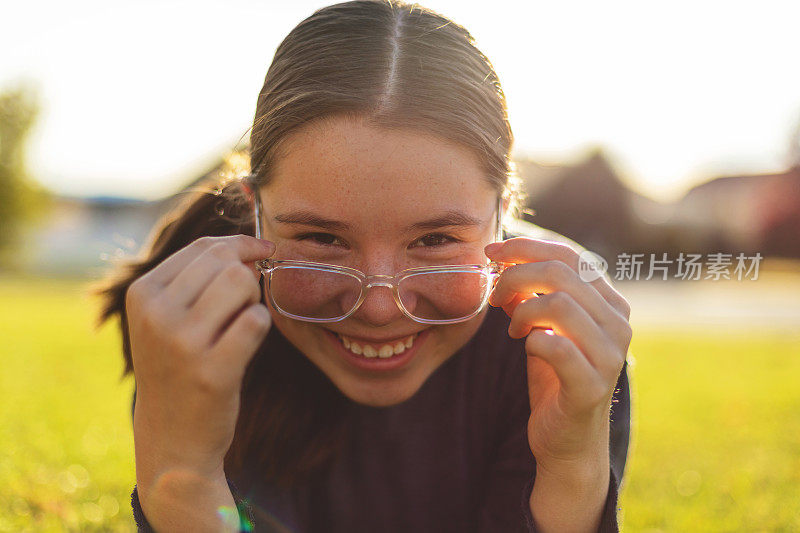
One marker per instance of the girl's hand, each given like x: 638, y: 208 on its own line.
x: 573, y: 369
x: 194, y: 321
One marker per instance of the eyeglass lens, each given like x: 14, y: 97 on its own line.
x: 320, y: 294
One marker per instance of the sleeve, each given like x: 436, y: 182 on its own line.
x: 246, y: 518
x: 509, y: 484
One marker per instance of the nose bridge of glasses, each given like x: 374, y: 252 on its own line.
x: 379, y: 280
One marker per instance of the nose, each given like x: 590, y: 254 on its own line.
x: 378, y: 308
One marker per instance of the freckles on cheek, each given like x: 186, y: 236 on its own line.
x: 444, y: 295
x: 314, y: 293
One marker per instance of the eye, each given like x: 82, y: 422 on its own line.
x: 322, y: 239
x: 435, y: 240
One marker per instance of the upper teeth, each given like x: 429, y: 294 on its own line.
x: 385, y: 351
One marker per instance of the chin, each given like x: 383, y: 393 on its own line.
x: 375, y: 394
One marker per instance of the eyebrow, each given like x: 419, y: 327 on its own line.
x: 307, y: 218
x: 447, y: 219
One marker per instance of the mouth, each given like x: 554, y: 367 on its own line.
x: 371, y: 349
x: 389, y: 354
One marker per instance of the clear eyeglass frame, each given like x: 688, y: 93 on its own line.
x: 266, y: 266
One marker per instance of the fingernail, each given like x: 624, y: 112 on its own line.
x: 493, y: 248
x: 269, y: 245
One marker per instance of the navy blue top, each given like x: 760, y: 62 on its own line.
x: 454, y: 457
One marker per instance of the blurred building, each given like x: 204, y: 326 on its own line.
x: 747, y: 213
x: 82, y: 236
x: 588, y: 202
x: 79, y: 236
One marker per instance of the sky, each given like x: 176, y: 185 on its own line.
x: 139, y: 96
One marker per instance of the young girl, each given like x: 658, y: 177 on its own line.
x: 311, y: 345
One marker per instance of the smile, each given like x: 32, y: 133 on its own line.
x: 383, y: 351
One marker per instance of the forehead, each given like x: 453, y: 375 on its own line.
x: 346, y: 167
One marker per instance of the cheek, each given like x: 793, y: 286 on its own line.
x: 448, y: 340
x: 295, y: 332
x: 443, y: 295
x: 463, y: 333
x: 313, y: 293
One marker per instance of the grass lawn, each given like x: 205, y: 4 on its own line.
x: 716, y: 444
x: 66, y: 443
x: 717, y: 433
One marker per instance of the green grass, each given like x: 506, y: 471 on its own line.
x: 717, y: 438
x: 716, y: 445
x: 66, y: 443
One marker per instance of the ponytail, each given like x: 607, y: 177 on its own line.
x: 215, y: 207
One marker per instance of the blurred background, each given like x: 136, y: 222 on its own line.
x: 641, y: 128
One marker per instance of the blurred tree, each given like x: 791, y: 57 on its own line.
x: 21, y: 199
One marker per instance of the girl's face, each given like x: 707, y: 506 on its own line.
x: 382, y: 201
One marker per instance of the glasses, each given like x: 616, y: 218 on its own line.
x: 320, y: 292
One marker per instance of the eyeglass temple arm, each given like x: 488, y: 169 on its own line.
x: 250, y: 186
x: 498, y: 234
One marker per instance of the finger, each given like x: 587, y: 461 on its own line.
x: 518, y: 299
x: 527, y: 250
x: 548, y: 277
x: 559, y: 312
x: 575, y: 374
x: 240, y: 341
x: 228, y: 293
x: 190, y: 283
x: 244, y: 247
